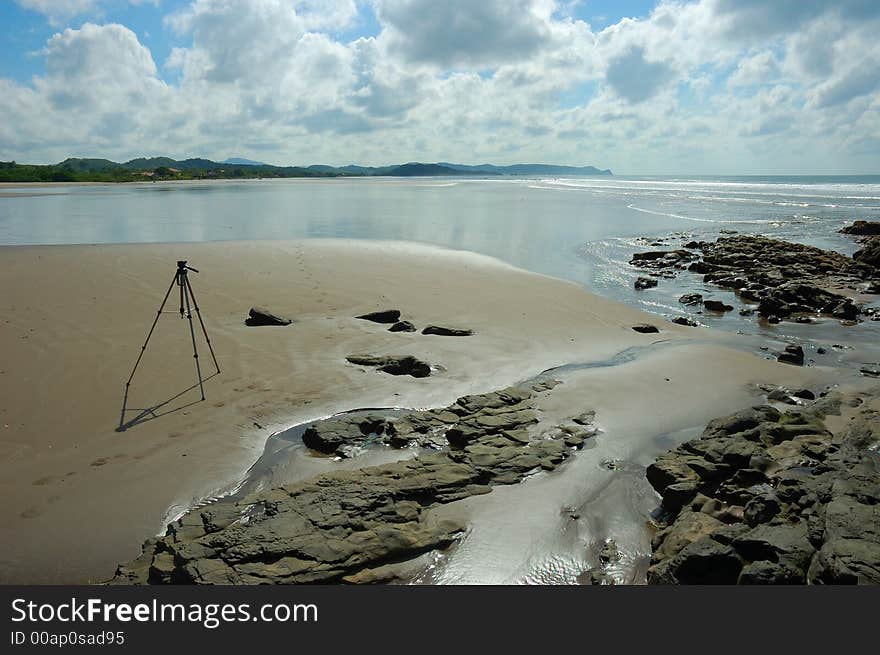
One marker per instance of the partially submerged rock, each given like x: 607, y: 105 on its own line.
x: 259, y: 316
x: 643, y: 283
x: 717, y: 306
x: 862, y: 228
x: 691, y: 299
x: 792, y: 354
x: 783, y: 279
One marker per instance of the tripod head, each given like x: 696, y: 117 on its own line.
x: 182, y: 268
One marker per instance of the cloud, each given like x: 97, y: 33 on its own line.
x: 465, y: 33
x: 712, y: 84
x: 636, y: 79
x: 761, y: 68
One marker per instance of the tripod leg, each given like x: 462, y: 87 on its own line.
x: 204, y: 331
x: 143, y: 348
x: 192, y: 333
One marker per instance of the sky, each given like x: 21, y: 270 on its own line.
x: 642, y: 87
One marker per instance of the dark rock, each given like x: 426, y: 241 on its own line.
x: 760, y: 509
x: 446, y: 331
x: 792, y: 355
x: 774, y: 543
x: 804, y: 394
x: 691, y: 299
x: 402, y: 326
x: 870, y: 254
x: 259, y: 316
x: 662, y: 258
x: 384, y: 316
x: 684, y: 320
x: 862, y: 228
x: 763, y: 572
x: 642, y: 283
x: 645, y: 328
x: 406, y: 365
x: 717, y: 306
x: 706, y: 562
x: 701, y: 268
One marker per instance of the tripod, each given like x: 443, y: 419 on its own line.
x: 181, y: 279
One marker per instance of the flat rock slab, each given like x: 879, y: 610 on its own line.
x: 259, y: 316
x: 340, y: 526
x: 442, y: 331
x: 393, y: 365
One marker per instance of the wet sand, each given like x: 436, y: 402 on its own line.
x: 81, y: 496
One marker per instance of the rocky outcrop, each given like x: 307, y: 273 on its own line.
x: 764, y: 497
x: 862, y: 228
x: 259, y: 316
x: 783, y: 279
x: 870, y: 254
x: 643, y: 283
x: 342, y: 526
x: 661, y: 259
x: 393, y: 365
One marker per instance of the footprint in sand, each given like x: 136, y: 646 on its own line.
x: 219, y: 404
x: 174, y: 435
x: 99, y: 462
x: 31, y: 513
x: 43, y: 481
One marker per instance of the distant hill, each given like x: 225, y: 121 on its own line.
x: 415, y: 169
x: 242, y: 162
x: 80, y: 169
x: 529, y: 169
x: 87, y: 165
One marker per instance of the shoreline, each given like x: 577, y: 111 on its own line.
x: 65, y: 463
x: 77, y: 314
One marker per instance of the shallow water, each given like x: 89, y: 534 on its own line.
x: 580, y: 229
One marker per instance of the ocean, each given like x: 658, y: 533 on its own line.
x: 579, y: 229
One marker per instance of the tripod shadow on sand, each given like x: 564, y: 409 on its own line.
x: 160, y: 409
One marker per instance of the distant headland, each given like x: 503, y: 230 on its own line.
x: 76, y: 169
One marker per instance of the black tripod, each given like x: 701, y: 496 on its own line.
x: 181, y: 279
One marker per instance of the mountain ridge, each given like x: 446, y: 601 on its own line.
x: 86, y: 169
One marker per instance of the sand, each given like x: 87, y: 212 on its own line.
x: 80, y: 496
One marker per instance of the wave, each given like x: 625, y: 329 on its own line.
x: 700, y: 220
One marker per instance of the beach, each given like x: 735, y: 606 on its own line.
x: 82, y: 496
